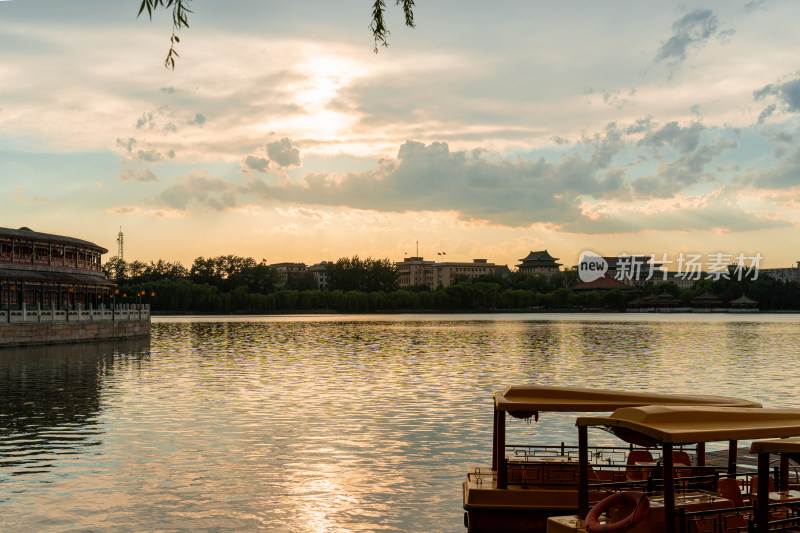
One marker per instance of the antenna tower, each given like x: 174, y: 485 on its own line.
x: 119, y: 244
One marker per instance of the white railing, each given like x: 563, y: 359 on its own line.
x: 38, y: 314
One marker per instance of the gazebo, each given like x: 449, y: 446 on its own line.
x: 743, y: 302
x: 706, y: 300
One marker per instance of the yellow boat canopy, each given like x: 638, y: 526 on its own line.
x: 535, y: 398
x: 787, y: 446
x: 689, y: 424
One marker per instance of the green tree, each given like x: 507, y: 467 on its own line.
x: 355, y: 274
x: 181, y: 11
x: 116, y: 269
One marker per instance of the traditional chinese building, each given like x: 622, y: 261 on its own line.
x: 53, y: 291
x: 539, y: 262
x: 45, y: 270
x: 602, y: 285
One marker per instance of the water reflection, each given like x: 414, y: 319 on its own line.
x: 51, y: 401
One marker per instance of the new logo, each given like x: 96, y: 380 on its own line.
x: 591, y: 266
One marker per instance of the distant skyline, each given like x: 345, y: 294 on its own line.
x: 488, y: 131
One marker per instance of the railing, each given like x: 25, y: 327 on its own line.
x: 38, y: 314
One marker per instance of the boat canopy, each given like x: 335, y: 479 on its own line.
x: 789, y: 447
x: 689, y: 424
x: 535, y: 398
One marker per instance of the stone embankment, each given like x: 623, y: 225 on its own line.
x: 24, y: 327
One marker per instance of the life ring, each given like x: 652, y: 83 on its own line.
x: 640, y: 510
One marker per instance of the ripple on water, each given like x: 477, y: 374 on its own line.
x: 326, y: 423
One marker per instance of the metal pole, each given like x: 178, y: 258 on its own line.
x: 669, y: 486
x: 762, y: 509
x: 701, y: 454
x: 784, y: 475
x: 502, y: 465
x: 732, y: 451
x: 583, y: 472
x: 494, y: 440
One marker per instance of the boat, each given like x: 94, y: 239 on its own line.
x: 527, y: 484
x: 673, y: 502
x: 777, y: 510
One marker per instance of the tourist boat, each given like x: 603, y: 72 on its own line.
x: 776, y: 510
x: 527, y: 484
x: 672, y: 503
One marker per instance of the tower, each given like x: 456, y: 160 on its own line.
x: 119, y: 245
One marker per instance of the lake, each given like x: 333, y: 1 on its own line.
x: 330, y: 423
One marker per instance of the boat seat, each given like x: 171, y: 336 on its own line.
x: 638, y: 473
x: 729, y: 488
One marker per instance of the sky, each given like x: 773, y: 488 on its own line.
x: 489, y: 130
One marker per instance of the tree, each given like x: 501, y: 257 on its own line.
x: 369, y: 275
x: 180, y: 19
x: 116, y: 269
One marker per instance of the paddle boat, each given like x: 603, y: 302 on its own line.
x: 670, y: 503
x: 527, y: 484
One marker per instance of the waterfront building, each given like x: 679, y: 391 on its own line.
x: 53, y: 291
x: 415, y: 271
x: 706, y: 301
x: 45, y: 270
x: 603, y: 285
x: 743, y: 302
x: 290, y: 270
x: 503, y: 271
x: 783, y: 274
x: 445, y: 273
x: 320, y: 273
x: 541, y: 263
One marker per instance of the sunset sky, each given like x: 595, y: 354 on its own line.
x: 490, y: 130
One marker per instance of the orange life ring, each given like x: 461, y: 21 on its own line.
x: 640, y: 510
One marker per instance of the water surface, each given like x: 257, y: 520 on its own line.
x: 329, y: 423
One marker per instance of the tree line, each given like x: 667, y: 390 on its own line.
x: 233, y: 284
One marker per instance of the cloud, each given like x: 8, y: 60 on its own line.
x: 717, y: 211
x: 641, y: 125
x: 146, y: 120
x: 671, y: 134
x: 19, y: 196
x: 692, y: 31
x: 784, y: 175
x: 432, y: 178
x: 124, y: 210
x: 766, y: 113
x: 284, y: 153
x: 149, y: 154
x: 686, y: 170
x: 128, y: 143
x: 259, y: 164
x: 786, y: 96
x: 755, y: 5
x: 199, y: 188
x: 152, y: 155
x: 133, y: 171
x: 279, y: 156
x: 198, y: 120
